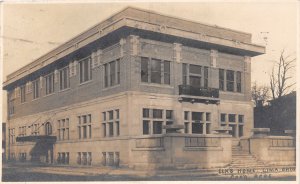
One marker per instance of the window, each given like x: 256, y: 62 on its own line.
x: 35, y: 129
x: 63, y: 130
x: 238, y: 82
x: 155, y: 71
x: 231, y: 118
x: 11, y: 105
x: 112, y: 73
x: 48, y: 128
x: 36, y: 88
x: 63, y: 157
x: 223, y: 117
x: 192, y: 75
x: 49, y: 83
x: 111, y: 125
x: 84, y: 126
x: 198, y: 123
x: 205, y: 77
x: 22, y: 131
x: 230, y: 80
x: 241, y: 118
x: 23, y: 93
x: 85, y: 70
x: 221, y: 79
x: 154, y: 119
x: 84, y: 158
x: 64, y: 78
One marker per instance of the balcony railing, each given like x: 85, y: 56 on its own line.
x: 196, y: 91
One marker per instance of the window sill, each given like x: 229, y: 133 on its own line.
x: 63, y: 90
x: 49, y: 94
x: 157, y: 85
x: 111, y: 87
x: 86, y: 82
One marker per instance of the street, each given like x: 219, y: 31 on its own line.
x: 27, y: 172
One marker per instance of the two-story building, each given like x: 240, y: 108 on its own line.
x: 112, y: 92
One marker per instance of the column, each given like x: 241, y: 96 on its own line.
x: 204, y: 122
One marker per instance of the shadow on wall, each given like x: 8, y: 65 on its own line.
x: 42, y: 152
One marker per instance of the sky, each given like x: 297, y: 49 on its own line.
x: 30, y: 30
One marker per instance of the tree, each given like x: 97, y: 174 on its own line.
x: 260, y: 94
x: 281, y: 75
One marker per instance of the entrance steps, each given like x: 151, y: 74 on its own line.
x: 243, y: 159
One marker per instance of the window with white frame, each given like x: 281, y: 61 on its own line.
x: 36, y: 88
x: 154, y: 120
x: 64, y: 81
x: 197, y: 122
x: 111, y: 123
x: 85, y: 126
x: 85, y: 69
x: 63, y: 130
x: 112, y: 73
x: 195, y: 75
x: 155, y: 70
x: 49, y: 83
x: 23, y: 93
x: 230, y: 80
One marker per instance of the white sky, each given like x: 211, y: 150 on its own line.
x: 31, y: 30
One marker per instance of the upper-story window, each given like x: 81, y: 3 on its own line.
x: 49, y: 83
x: 112, y: 73
x: 85, y: 70
x: 36, y: 88
x: 230, y: 80
x: 23, y: 93
x: 238, y: 82
x: 155, y: 71
x: 64, y: 82
x: 192, y: 75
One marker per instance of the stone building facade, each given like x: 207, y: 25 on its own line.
x: 124, y: 91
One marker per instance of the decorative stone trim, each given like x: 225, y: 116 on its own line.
x: 213, y: 58
x: 134, y: 40
x: 177, y: 52
x: 55, y: 76
x: 247, y: 67
x: 122, y: 43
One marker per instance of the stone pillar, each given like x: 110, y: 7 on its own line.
x: 213, y: 80
x: 246, y: 83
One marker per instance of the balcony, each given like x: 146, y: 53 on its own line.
x: 195, y: 91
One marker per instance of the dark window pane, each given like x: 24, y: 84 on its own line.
x: 157, y: 113
x: 197, y: 128
x: 155, y: 71
x: 238, y: 82
x: 112, y: 73
x: 111, y: 129
x: 223, y: 117
x: 231, y: 117
x: 157, y: 127
x: 145, y: 127
x: 184, y: 73
x: 146, y: 113
x: 221, y: 79
x: 241, y: 118
x: 197, y: 116
x: 144, y: 69
x: 169, y: 114
x: 111, y: 115
x: 195, y: 81
x: 166, y: 72
x: 230, y: 80
x: 186, y: 115
x: 186, y: 127
x: 106, y: 66
x: 205, y: 77
x: 118, y: 71
x: 207, y: 116
x: 195, y: 69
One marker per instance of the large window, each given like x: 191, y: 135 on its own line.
x: 154, y: 119
x: 235, y: 121
x: 197, y: 122
x: 155, y: 71
x: 36, y: 88
x: 111, y: 123
x: 63, y: 158
x: 112, y: 73
x: 49, y: 83
x: 230, y: 80
x: 63, y: 130
x: 195, y: 75
x: 64, y: 78
x: 85, y: 126
x: 23, y: 93
x: 85, y: 70
x: 84, y: 158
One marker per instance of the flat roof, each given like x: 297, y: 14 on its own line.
x: 144, y: 20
